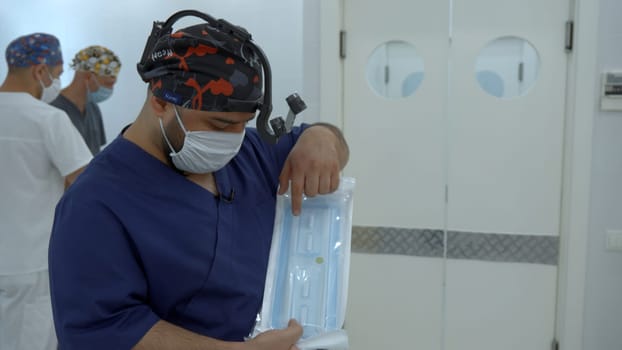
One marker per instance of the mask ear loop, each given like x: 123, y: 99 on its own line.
x: 47, y: 70
x: 181, y: 124
x: 165, y: 137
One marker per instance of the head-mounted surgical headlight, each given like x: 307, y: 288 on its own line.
x: 270, y: 130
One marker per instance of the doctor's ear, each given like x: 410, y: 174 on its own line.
x: 158, y: 105
x: 38, y: 71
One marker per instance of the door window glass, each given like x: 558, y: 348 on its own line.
x: 507, y: 67
x: 394, y: 69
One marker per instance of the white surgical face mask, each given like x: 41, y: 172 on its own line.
x: 50, y: 93
x: 204, y: 151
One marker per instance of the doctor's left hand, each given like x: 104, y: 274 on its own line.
x: 314, y: 164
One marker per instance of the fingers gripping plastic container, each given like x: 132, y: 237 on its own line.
x: 308, y: 268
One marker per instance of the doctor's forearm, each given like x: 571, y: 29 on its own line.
x: 166, y: 336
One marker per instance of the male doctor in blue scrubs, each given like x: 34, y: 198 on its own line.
x: 163, y: 241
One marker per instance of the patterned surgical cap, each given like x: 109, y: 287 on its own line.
x: 97, y: 59
x: 204, y: 68
x: 33, y: 49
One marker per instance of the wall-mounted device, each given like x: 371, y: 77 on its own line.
x: 611, y: 93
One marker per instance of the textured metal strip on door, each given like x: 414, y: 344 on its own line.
x: 497, y: 247
x: 401, y: 241
x: 503, y: 247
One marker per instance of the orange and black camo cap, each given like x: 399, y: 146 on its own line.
x: 203, y: 68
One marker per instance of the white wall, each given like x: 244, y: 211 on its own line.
x: 276, y: 26
x: 603, y: 296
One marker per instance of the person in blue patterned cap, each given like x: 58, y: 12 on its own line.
x: 41, y: 152
x: 41, y: 54
x: 96, y: 69
x: 163, y: 242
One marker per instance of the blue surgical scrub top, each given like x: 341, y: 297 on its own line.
x: 134, y: 241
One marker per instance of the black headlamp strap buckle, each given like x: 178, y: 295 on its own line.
x: 236, y: 31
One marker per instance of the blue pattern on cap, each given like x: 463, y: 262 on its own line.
x: 33, y: 49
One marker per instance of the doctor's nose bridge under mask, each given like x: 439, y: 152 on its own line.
x: 309, y: 263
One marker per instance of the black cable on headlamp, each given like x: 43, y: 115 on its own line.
x: 269, y: 133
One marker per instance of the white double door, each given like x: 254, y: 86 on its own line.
x: 453, y: 157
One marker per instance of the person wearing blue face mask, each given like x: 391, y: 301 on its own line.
x: 163, y: 242
x: 96, y: 69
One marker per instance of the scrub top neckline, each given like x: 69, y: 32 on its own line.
x: 135, y: 154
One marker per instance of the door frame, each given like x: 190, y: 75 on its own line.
x: 581, y: 98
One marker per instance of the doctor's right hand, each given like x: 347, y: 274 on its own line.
x: 276, y: 339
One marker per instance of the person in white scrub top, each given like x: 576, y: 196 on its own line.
x: 41, y: 153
